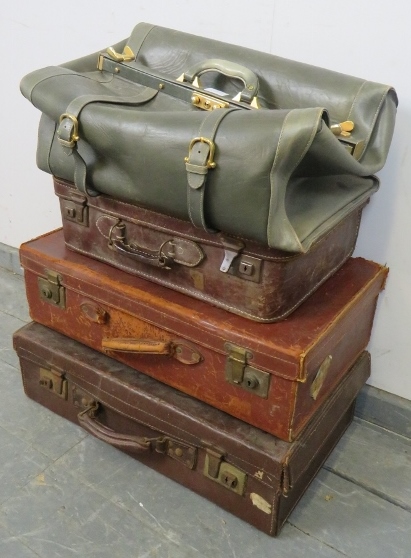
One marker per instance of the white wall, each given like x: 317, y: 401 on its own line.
x: 369, y: 39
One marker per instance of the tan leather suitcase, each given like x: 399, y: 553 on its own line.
x: 242, y: 469
x: 273, y: 376
x: 240, y: 276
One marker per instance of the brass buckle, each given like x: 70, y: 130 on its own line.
x: 74, y: 137
x: 210, y: 161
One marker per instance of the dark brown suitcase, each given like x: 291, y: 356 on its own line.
x: 273, y: 376
x: 240, y: 276
x: 244, y: 470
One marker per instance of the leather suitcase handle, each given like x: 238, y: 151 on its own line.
x: 155, y: 258
x: 181, y: 350
x: 143, y: 346
x: 185, y: 454
x: 172, y: 250
x: 135, y: 444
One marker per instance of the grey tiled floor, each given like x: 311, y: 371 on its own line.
x: 65, y: 494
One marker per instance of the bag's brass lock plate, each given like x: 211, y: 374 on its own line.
x: 224, y: 473
x: 54, y: 381
x: 205, y: 102
x: 240, y: 373
x: 51, y: 290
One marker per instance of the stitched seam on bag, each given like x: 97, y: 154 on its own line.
x: 50, y: 148
x: 355, y: 99
x: 313, y: 132
x: 144, y: 39
x: 367, y: 139
x: 101, y: 218
x: 348, y: 209
x: 190, y: 245
x: 373, y: 122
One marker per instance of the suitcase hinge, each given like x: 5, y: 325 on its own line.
x: 54, y: 381
x: 187, y: 455
x: 239, y: 372
x: 51, y: 289
x: 224, y: 473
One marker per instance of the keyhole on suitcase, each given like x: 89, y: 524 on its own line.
x: 229, y: 480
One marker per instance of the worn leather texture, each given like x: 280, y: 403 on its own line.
x: 282, y: 178
x: 176, y: 435
x: 273, y: 376
x: 260, y: 283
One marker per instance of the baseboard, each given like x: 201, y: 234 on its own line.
x: 384, y: 409
x: 373, y: 405
x: 9, y: 259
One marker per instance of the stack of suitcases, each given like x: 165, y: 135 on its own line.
x: 227, y: 365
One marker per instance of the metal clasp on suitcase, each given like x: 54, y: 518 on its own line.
x: 51, y: 290
x: 75, y: 209
x: 53, y: 381
x: 240, y: 373
x: 218, y: 470
x: 242, y: 265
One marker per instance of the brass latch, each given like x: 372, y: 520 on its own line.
x: 51, y: 290
x: 239, y: 372
x: 224, y: 473
x: 343, y: 128
x: 343, y: 131
x: 75, y: 209
x: 126, y: 56
x: 54, y: 381
x: 207, y: 102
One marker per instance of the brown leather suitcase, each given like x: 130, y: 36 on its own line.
x: 240, y: 276
x: 242, y: 469
x: 273, y: 376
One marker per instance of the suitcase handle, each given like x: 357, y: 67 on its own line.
x: 185, y: 454
x: 88, y: 421
x: 229, y: 69
x: 181, y: 350
x: 142, y: 346
x: 156, y: 258
x: 172, y: 251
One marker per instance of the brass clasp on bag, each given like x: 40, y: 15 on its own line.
x: 210, y: 161
x: 73, y: 137
x: 126, y: 56
x: 343, y: 128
